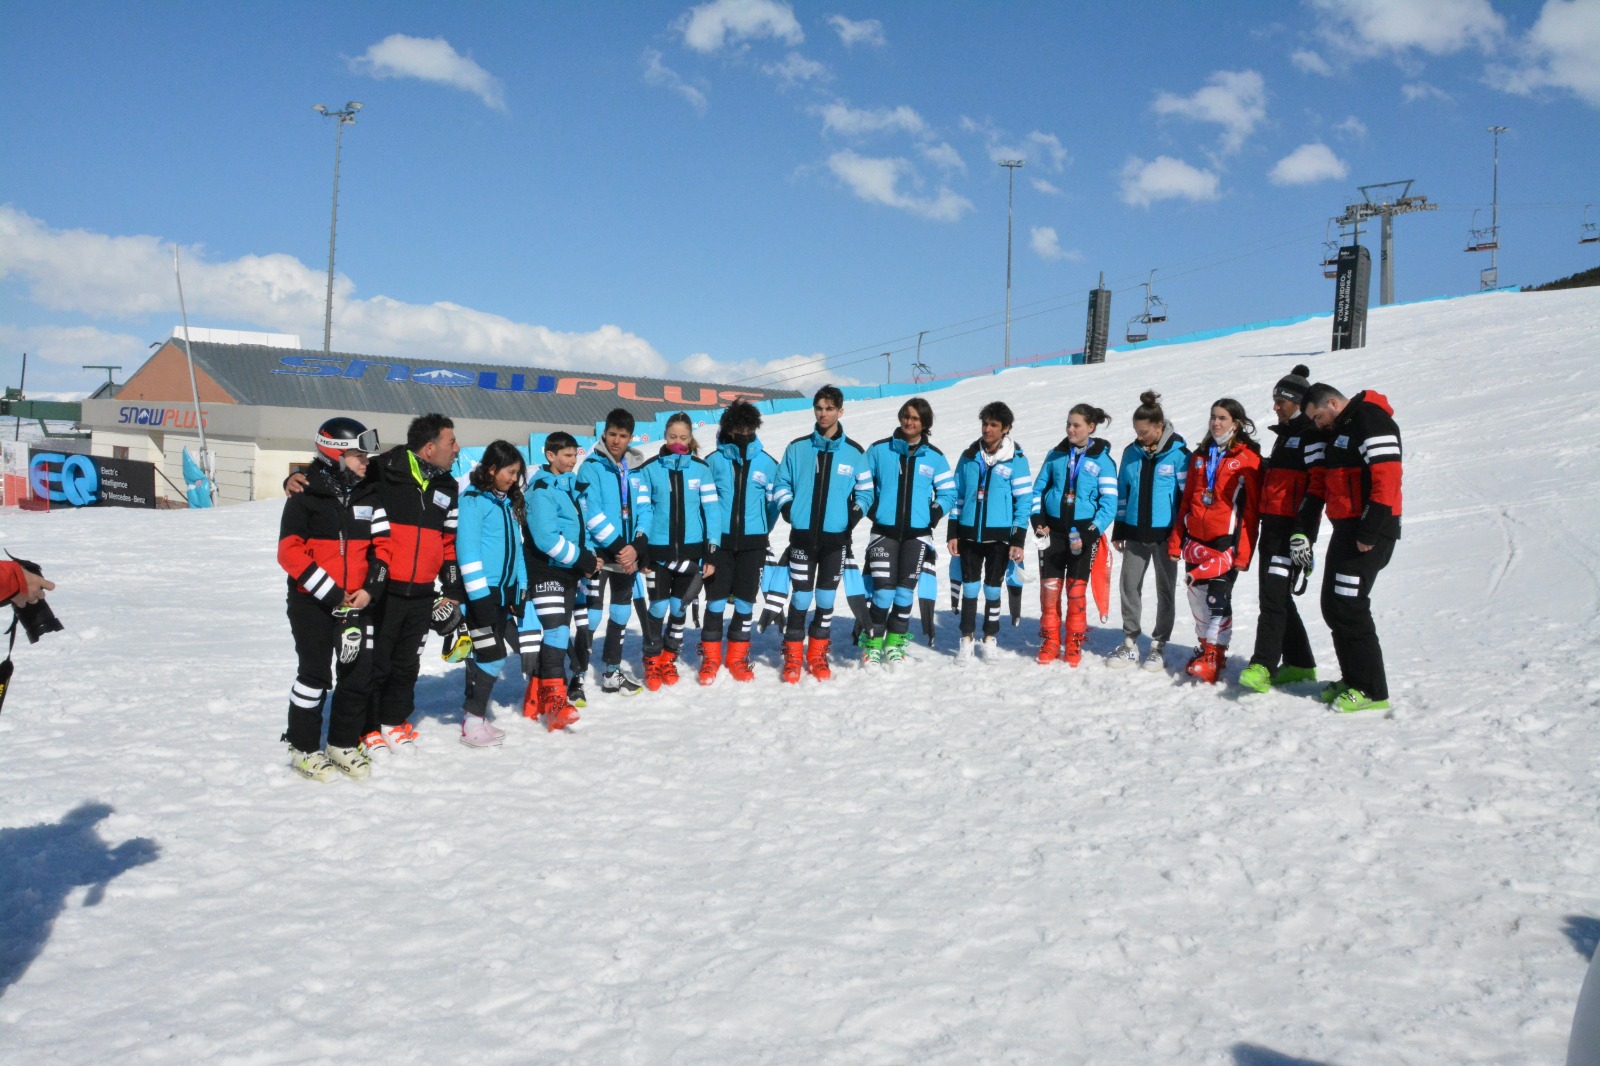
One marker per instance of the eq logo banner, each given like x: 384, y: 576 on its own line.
x: 69, y: 479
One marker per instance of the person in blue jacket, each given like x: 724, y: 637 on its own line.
x: 495, y: 575
x: 1074, y: 501
x: 747, y: 484
x: 558, y: 558
x: 912, y: 488
x: 679, y: 526
x: 609, y: 514
x: 989, y: 523
x: 1155, y: 468
x: 824, y: 489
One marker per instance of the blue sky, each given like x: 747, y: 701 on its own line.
x: 755, y: 190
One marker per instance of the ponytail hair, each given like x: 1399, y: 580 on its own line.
x: 1243, y: 427
x: 1090, y: 414
x: 1149, y: 409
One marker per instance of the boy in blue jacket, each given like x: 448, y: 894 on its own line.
x: 989, y: 523
x: 559, y: 557
x: 609, y: 518
x: 824, y: 489
x: 747, y: 485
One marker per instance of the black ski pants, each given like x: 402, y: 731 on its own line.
x: 402, y: 626
x: 989, y: 559
x: 738, y: 577
x: 813, y: 578
x: 1280, y: 634
x: 317, y: 635
x: 1348, y: 576
x: 894, y: 567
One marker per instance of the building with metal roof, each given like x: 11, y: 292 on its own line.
x: 261, y: 403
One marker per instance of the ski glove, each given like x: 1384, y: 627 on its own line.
x: 351, y: 634
x: 1300, y: 553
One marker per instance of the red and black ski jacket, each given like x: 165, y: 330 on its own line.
x: 1224, y: 511
x: 421, y: 505
x: 328, y: 538
x: 13, y: 580
x: 1360, y: 472
x: 1286, y: 475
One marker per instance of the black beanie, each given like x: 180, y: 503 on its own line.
x: 1293, y: 385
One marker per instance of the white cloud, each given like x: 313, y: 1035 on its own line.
x: 1049, y: 148
x: 840, y: 117
x: 1353, y: 128
x: 803, y: 372
x: 1047, y: 245
x: 1236, y: 100
x: 867, y: 31
x: 1308, y: 164
x: 69, y: 349
x: 130, y: 278
x: 708, y: 27
x: 1165, y: 178
x: 1421, y: 90
x: 1561, y: 51
x: 660, y: 75
x: 1040, y: 185
x: 796, y: 69
x: 1037, y: 148
x: 943, y: 156
x: 878, y: 181
x: 1309, y: 62
x: 429, y: 59
x: 1438, y: 27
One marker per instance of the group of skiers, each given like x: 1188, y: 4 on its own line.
x: 379, y: 548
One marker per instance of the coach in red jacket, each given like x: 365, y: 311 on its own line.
x: 1359, y: 485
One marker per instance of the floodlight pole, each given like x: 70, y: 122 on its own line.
x: 344, y: 117
x: 1494, y: 211
x: 1011, y: 166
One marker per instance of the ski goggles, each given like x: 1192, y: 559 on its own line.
x: 366, y: 441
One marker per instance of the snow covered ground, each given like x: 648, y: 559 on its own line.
x: 986, y: 863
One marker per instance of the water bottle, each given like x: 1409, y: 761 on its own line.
x: 1075, y: 541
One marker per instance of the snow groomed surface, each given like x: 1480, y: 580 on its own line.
x: 987, y: 863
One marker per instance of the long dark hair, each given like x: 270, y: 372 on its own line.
x: 1090, y: 414
x: 1243, y: 428
x: 924, y: 411
x: 1149, y: 409
x: 498, y: 456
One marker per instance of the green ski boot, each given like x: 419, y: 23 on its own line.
x: 871, y: 650
x: 1353, y: 699
x: 1256, y: 678
x: 1332, y: 691
x: 1289, y: 675
x: 894, y: 648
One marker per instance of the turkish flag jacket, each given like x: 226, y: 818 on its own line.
x: 1360, y: 472
x: 329, y: 534
x: 421, y: 546
x: 1221, y: 511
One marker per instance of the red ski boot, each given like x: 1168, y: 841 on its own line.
x: 794, y: 657
x: 817, y: 659
x: 739, y: 662
x: 710, y: 661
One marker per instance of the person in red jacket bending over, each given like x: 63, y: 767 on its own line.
x: 1215, y: 533
x: 1359, y: 484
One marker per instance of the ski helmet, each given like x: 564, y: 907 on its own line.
x: 339, y: 435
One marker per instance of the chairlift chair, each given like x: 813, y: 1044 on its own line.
x: 1590, y: 233
x: 1155, y: 310
x: 1135, y: 334
x: 1330, y: 259
x: 1482, y: 240
x: 920, y: 372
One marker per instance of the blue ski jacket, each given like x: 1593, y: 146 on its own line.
x: 824, y: 487
x: 1093, y: 487
x: 676, y: 509
x: 607, y: 499
x: 912, y: 487
x: 1149, y: 488
x: 555, y: 523
x: 489, y: 547
x: 994, y: 494
x: 747, y: 488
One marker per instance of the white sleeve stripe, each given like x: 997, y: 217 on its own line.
x: 380, y: 527
x: 472, y: 567
x: 1387, y: 438
x: 477, y: 583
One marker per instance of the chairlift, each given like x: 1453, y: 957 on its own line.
x: 1135, y: 333
x: 1154, y: 309
x: 1330, y: 253
x: 1482, y: 240
x: 1590, y: 233
x: 920, y: 372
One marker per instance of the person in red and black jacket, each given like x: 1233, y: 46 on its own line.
x: 21, y: 586
x: 418, y: 494
x: 1359, y: 484
x: 1280, y: 634
x: 327, y: 544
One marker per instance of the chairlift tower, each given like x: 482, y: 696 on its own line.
x: 1489, y: 240
x: 1384, y: 209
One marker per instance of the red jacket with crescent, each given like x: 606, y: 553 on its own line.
x: 1361, y: 471
x: 1229, y: 520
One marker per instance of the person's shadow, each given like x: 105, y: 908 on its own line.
x: 40, y: 865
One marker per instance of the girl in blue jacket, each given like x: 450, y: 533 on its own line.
x: 1154, y: 471
x: 678, y: 526
x: 912, y: 488
x: 747, y: 484
x: 989, y: 523
x: 489, y: 549
x: 1074, y: 500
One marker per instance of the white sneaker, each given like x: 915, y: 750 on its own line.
x: 988, y: 649
x: 475, y: 732
x: 312, y: 765
x: 1154, y: 661
x: 352, y: 762
x: 964, y: 650
x: 1126, y: 655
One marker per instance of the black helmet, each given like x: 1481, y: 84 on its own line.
x: 339, y: 435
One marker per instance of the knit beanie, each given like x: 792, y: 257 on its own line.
x: 1293, y: 385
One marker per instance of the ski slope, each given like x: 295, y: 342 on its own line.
x: 955, y: 863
